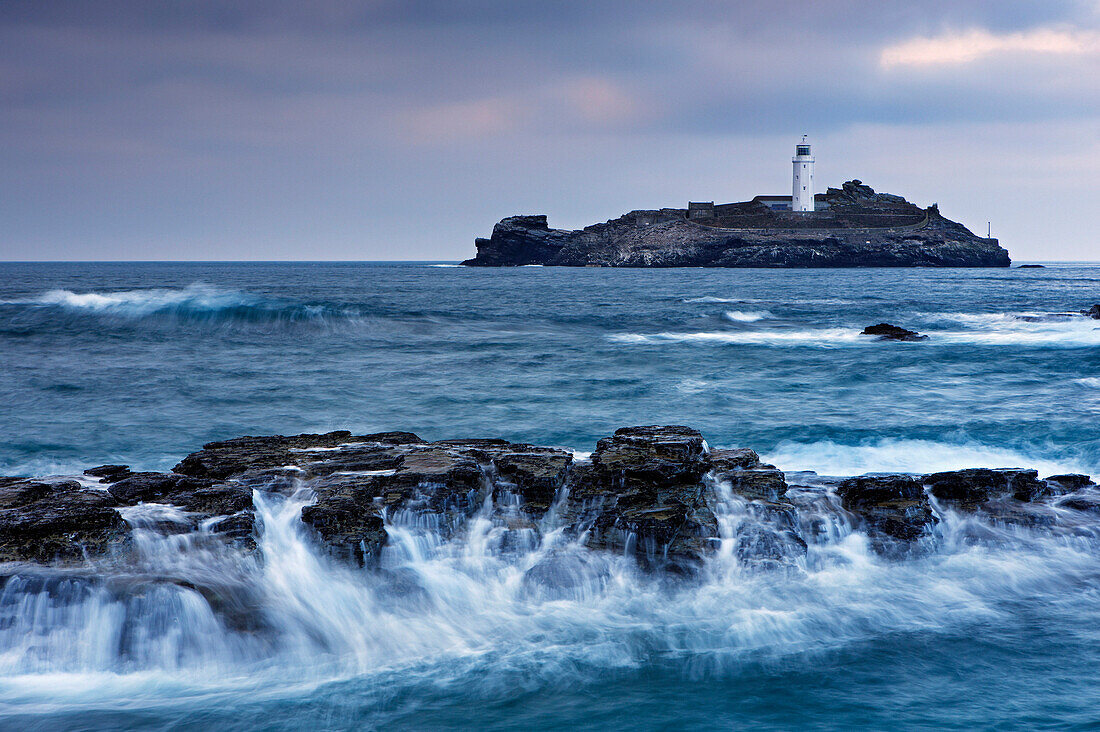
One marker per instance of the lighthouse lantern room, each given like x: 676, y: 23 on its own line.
x: 802, y: 195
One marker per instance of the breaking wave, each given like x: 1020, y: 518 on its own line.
x: 196, y: 302
x: 784, y: 301
x: 888, y: 455
x: 747, y: 316
x: 824, y: 338
x: 1037, y: 330
x: 711, y: 298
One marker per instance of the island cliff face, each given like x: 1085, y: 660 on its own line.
x: 854, y: 227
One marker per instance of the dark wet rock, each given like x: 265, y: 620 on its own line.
x: 447, y: 480
x: 738, y: 458
x: 746, y: 476
x: 647, y: 492
x: 349, y: 527
x: 973, y: 486
x: 535, y: 473
x: 455, y: 478
x: 1070, y: 482
x: 443, y: 480
x: 770, y: 539
x: 202, y: 497
x: 887, y: 332
x: 1093, y: 312
x: 109, y: 473
x: 44, y: 521
x: 672, y: 454
x: 198, y: 495
x: 1032, y: 266
x: 891, y: 506
x: 220, y: 460
x: 240, y: 528
x: 643, y: 493
x: 757, y: 485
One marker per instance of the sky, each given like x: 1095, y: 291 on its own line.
x: 402, y: 129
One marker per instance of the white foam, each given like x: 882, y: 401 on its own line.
x: 910, y: 456
x: 756, y: 300
x: 198, y: 296
x: 1093, y: 382
x: 824, y: 338
x: 747, y: 316
x: 711, y: 298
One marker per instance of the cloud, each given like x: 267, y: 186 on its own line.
x: 956, y: 48
x: 600, y: 100
x: 453, y: 122
x: 130, y: 125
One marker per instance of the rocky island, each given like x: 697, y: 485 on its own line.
x: 851, y: 226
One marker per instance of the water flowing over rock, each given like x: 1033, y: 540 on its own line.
x: 643, y: 494
x: 339, y: 544
x: 974, y: 486
x: 892, y: 506
x: 656, y: 494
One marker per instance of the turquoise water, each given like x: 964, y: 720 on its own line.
x: 142, y: 363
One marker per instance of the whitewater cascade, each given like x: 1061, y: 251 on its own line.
x: 455, y: 592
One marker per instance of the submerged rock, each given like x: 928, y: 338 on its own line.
x: 1093, y: 312
x: 1069, y: 481
x: 1089, y: 503
x: 887, y: 332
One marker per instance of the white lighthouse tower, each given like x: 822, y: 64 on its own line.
x: 802, y: 194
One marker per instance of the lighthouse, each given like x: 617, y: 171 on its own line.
x: 802, y: 194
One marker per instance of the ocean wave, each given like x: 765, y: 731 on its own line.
x: 711, y: 298
x: 825, y: 337
x: 1093, y: 382
x: 1023, y: 328
x: 747, y: 316
x: 979, y: 329
x: 885, y: 455
x: 196, y: 302
x: 785, y: 301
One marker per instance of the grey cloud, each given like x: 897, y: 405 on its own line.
x: 152, y: 122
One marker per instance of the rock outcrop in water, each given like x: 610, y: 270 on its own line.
x: 657, y: 494
x: 853, y: 227
x: 887, y: 332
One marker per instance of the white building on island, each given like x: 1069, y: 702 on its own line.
x: 802, y: 192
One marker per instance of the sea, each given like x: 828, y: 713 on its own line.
x: 142, y: 363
